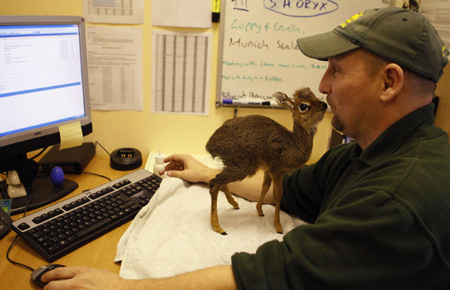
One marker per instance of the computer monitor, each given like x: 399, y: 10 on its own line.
x: 43, y: 85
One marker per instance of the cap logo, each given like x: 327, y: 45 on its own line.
x: 351, y: 19
x: 445, y: 51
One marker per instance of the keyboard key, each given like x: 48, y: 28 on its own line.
x: 24, y: 226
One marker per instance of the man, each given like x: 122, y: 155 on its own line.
x: 378, y: 208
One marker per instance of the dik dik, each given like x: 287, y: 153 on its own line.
x: 247, y: 144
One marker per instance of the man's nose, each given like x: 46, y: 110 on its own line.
x: 324, y: 86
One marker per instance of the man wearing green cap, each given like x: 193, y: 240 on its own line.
x: 378, y: 209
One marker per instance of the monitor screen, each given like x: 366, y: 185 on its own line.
x: 43, y: 81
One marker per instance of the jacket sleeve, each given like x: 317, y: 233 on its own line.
x: 304, y: 190
x: 302, y: 195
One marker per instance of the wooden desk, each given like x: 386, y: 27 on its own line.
x: 99, y: 253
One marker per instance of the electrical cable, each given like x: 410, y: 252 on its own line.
x: 14, y: 262
x: 38, y: 154
x: 14, y: 241
x: 96, y: 142
x: 96, y: 174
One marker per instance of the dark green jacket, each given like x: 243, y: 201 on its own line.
x: 379, y: 218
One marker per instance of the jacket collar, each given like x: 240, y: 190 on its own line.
x: 393, y: 137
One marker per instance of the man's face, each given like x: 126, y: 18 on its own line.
x: 352, y: 93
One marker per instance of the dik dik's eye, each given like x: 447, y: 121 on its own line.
x: 304, y: 107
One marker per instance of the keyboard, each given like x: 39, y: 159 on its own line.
x: 63, y: 227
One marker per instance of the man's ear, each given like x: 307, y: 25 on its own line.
x: 393, y: 78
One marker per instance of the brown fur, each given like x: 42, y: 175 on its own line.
x: 246, y: 144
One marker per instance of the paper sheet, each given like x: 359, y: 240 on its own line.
x: 114, y: 11
x: 186, y: 13
x: 115, y: 67
x: 181, y: 72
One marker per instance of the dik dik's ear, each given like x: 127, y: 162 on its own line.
x: 284, y: 100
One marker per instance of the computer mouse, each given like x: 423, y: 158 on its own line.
x: 37, y: 274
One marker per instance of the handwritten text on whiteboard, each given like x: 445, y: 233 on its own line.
x: 301, y: 8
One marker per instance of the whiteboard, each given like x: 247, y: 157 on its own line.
x: 258, y: 50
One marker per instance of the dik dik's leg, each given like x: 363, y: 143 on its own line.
x: 230, y: 197
x: 214, y: 190
x: 278, y: 194
x: 265, y: 187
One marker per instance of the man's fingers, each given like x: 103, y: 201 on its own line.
x: 59, y: 273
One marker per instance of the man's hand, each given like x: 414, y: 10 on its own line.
x: 188, y: 168
x: 83, y: 278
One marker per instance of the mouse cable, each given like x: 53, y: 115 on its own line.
x: 14, y: 262
x: 14, y: 241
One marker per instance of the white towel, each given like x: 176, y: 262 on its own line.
x: 172, y: 234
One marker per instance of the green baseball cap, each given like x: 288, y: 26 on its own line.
x: 399, y: 35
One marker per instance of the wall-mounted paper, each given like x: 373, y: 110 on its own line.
x: 181, y: 72
x: 115, y: 67
x: 186, y: 13
x: 114, y: 11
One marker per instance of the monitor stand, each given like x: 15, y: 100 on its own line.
x: 42, y: 193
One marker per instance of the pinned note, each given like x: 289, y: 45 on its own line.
x: 71, y: 135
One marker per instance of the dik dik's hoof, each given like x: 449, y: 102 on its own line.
x: 279, y: 229
x: 222, y: 232
x: 259, y: 210
x: 219, y: 230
